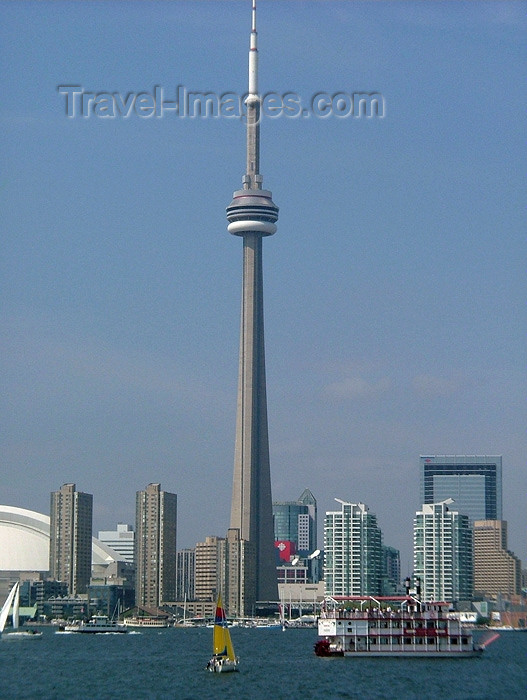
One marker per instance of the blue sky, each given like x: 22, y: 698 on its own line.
x: 394, y: 287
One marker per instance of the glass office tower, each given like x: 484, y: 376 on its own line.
x: 296, y: 521
x: 472, y: 481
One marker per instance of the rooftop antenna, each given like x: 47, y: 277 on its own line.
x: 253, y: 179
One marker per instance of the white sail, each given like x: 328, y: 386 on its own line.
x: 4, y: 613
x: 16, y: 606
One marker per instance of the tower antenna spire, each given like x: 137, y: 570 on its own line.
x: 253, y: 179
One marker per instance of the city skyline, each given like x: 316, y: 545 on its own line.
x: 395, y: 316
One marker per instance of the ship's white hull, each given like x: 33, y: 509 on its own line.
x: 99, y: 624
x: 470, y: 653
x: 15, y: 636
x: 102, y: 630
x: 147, y: 623
x: 222, y: 666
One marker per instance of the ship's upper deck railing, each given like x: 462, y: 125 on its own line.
x: 368, y: 607
x: 376, y: 614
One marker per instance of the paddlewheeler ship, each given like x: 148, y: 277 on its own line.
x: 400, y: 626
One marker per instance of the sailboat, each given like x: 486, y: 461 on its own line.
x: 223, y: 659
x: 13, y: 601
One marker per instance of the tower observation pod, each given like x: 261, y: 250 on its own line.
x: 252, y: 215
x: 252, y: 211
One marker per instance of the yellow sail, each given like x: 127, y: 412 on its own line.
x: 228, y: 644
x: 221, y: 640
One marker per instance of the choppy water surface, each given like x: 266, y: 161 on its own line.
x: 275, y: 665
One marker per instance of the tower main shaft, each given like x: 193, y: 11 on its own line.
x: 252, y: 215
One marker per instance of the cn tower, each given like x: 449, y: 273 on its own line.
x: 252, y: 215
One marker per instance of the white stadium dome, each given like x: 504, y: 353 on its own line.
x: 24, y: 542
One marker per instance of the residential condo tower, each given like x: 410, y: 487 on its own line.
x: 155, y: 546
x: 70, y: 541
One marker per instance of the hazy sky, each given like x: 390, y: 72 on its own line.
x: 394, y: 288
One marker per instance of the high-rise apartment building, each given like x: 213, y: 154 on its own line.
x: 120, y: 540
x: 443, y: 553
x: 186, y: 572
x: 353, y: 554
x: 472, y: 481
x: 155, y: 546
x: 497, y: 571
x: 70, y: 542
x: 210, y: 568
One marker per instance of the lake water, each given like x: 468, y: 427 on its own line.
x: 274, y: 665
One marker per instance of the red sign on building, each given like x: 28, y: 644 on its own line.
x: 286, y: 548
